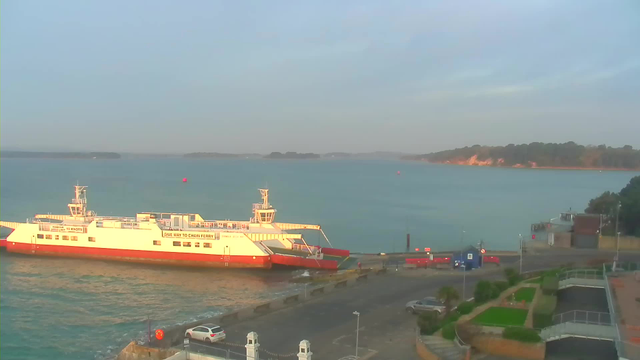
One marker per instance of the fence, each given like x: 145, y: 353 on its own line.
x: 583, y: 317
x: 231, y: 351
x: 581, y: 274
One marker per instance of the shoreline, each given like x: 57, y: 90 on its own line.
x: 533, y: 168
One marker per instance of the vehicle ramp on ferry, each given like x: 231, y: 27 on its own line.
x: 301, y: 258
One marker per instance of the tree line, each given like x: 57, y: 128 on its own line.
x: 568, y: 154
x: 625, y: 205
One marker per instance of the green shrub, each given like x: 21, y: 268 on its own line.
x: 483, y: 291
x: 449, y: 331
x: 550, y: 285
x: 512, y: 275
x: 501, y: 285
x: 543, y: 311
x: 520, y: 334
x: 451, y: 318
x: 466, y: 307
x: 428, y: 322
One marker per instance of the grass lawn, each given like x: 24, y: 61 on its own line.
x: 526, y: 294
x: 499, y: 316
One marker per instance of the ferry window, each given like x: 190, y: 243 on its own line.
x: 176, y: 243
x: 49, y: 237
x: 40, y: 236
x: 92, y: 239
x: 197, y: 244
x: 156, y: 242
x: 207, y: 245
x: 65, y: 237
x: 74, y: 238
x: 186, y: 244
x: 57, y: 237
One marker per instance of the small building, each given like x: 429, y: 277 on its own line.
x: 470, y: 256
x: 586, y: 231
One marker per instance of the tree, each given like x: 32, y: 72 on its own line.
x: 605, y: 205
x: 483, y: 291
x: 630, y: 207
x: 448, y: 295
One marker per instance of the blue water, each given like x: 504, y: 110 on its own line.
x: 90, y: 309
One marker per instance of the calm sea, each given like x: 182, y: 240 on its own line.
x: 77, y: 309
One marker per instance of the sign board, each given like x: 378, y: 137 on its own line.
x: 189, y: 235
x: 186, y: 341
x: 469, y: 256
x: 533, y: 236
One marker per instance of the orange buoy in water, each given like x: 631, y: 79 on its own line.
x: 184, y: 180
x: 159, y: 334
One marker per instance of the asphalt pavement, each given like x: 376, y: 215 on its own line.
x: 386, y: 330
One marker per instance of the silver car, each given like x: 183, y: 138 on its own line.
x: 426, y: 304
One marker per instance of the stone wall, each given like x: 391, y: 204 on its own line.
x: 626, y: 243
x: 510, y: 348
x: 134, y: 351
x: 562, y: 240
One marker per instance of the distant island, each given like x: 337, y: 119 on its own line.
x: 215, y: 155
x: 58, y: 155
x: 539, y: 155
x: 292, y: 155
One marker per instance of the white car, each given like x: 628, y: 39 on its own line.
x: 206, y: 333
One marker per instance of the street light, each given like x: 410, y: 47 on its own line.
x: 617, y: 232
x: 464, y: 281
x: 520, y: 253
x: 357, y: 330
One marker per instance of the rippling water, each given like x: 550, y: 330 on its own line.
x: 85, y: 309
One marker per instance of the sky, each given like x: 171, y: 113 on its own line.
x: 316, y: 76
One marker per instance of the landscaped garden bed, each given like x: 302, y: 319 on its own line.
x: 525, y: 294
x: 501, y: 317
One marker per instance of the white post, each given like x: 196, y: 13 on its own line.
x: 252, y: 346
x: 304, y: 352
x: 357, y: 314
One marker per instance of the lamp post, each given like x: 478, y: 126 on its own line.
x: 617, y: 232
x: 357, y: 314
x: 520, y: 253
x: 464, y: 281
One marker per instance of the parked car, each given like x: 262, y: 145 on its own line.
x: 206, y: 333
x: 426, y: 304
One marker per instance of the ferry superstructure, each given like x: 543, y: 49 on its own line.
x: 172, y: 238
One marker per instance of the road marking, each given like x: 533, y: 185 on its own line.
x: 336, y: 340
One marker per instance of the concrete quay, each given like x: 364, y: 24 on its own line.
x: 326, y: 317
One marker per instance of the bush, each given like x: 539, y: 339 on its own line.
x: 451, y: 318
x: 495, y: 292
x: 543, y: 311
x: 428, y: 322
x: 501, y: 285
x: 550, y: 285
x: 449, y: 331
x: 513, y: 276
x: 483, y: 291
x: 520, y: 334
x: 466, y: 307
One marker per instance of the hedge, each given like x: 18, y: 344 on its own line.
x: 550, y: 285
x: 521, y: 334
x: 466, y: 307
x: 449, y: 331
x: 501, y: 286
x: 543, y: 311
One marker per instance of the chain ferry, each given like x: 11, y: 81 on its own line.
x: 172, y: 238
